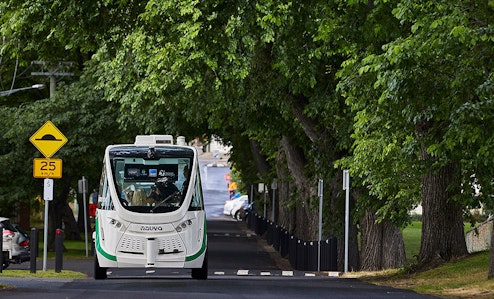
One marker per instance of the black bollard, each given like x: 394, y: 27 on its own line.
x: 58, y: 250
x: 1, y: 249
x: 33, y: 247
x: 36, y: 249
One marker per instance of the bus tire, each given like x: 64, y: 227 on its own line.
x: 99, y: 272
x: 5, y: 260
x: 201, y: 273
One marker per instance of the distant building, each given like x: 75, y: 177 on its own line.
x: 216, y: 146
x: 417, y: 210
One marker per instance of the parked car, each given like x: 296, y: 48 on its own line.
x: 15, y: 244
x: 234, y: 206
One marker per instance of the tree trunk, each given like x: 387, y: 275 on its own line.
x: 442, y: 228
x: 308, y: 125
x: 296, y: 162
x: 371, y: 239
x: 393, y: 251
x: 60, y: 212
x: 54, y: 221
x: 353, y: 252
x: 262, y: 165
x: 286, y: 218
x: 382, y: 245
x: 25, y: 215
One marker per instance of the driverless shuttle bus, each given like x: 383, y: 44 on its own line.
x: 150, y: 208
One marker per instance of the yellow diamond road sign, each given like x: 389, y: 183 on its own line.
x: 48, y: 139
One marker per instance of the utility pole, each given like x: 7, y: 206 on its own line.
x: 55, y: 70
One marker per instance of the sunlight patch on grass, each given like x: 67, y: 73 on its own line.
x: 411, y: 236
x: 67, y: 274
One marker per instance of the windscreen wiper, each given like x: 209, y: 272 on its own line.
x: 164, y: 200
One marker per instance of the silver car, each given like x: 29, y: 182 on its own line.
x: 15, y: 244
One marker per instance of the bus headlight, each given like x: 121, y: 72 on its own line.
x: 115, y: 223
x: 183, y: 225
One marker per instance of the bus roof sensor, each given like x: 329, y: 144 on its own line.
x: 154, y: 139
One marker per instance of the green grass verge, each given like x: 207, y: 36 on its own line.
x: 462, y: 278
x: 49, y: 273
x: 73, y: 250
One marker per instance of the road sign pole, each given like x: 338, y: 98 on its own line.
x: 84, y: 191
x: 346, y: 187
x: 45, y: 237
x: 47, y: 196
x: 274, y: 186
x: 320, y: 193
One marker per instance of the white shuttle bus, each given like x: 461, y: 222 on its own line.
x: 150, y: 208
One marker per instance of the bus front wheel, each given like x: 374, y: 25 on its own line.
x: 99, y: 272
x: 201, y: 273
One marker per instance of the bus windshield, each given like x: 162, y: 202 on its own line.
x: 151, y: 179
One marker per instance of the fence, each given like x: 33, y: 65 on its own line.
x: 302, y: 255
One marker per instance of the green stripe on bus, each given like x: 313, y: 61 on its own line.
x: 203, y: 247
x: 98, y: 245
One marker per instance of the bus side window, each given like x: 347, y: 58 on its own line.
x: 104, y: 199
x: 197, y: 202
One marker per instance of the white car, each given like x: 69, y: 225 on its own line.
x: 234, y: 206
x: 15, y: 244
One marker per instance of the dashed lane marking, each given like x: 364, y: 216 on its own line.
x: 284, y: 273
x: 243, y: 272
x: 233, y: 235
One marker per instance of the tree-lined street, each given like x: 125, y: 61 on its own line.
x: 399, y: 93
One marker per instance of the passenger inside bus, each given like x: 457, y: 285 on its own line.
x: 185, y: 184
x: 164, y: 189
x: 139, y: 198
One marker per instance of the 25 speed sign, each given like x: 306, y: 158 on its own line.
x: 47, y: 168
